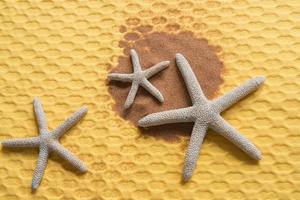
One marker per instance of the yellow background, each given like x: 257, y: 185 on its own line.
x: 60, y: 51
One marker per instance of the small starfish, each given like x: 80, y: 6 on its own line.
x: 205, y: 114
x: 48, y: 142
x: 139, y: 78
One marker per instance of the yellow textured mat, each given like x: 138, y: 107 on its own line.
x: 60, y: 51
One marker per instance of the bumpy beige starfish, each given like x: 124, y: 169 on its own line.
x: 139, y: 78
x: 205, y: 114
x: 48, y: 142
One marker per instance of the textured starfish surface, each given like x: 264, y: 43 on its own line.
x: 139, y: 78
x: 47, y: 142
x: 205, y: 114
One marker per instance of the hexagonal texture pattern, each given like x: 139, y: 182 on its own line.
x: 60, y: 51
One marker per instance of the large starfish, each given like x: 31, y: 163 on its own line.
x: 139, y: 78
x: 48, y: 142
x: 205, y: 114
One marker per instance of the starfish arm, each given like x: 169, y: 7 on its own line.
x: 135, y: 61
x: 194, y: 147
x: 190, y: 80
x: 152, y: 90
x: 40, y: 167
x: 235, y: 95
x: 40, y: 116
x: 68, y: 156
x: 226, y: 130
x: 69, y: 122
x: 120, y: 77
x: 167, y: 117
x: 131, y: 96
x: 156, y: 68
x: 22, y: 142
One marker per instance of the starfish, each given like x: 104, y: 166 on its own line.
x: 205, y: 114
x: 139, y: 78
x: 47, y: 142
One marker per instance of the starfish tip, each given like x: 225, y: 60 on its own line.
x: 3, y: 143
x: 142, y: 122
x: 160, y: 98
x: 84, y: 109
x: 35, y: 100
x: 83, y: 169
x: 132, y: 51
x: 186, y: 177
x: 34, y: 186
x: 110, y: 76
x: 260, y: 79
x: 258, y: 156
x: 178, y: 55
x: 126, y: 106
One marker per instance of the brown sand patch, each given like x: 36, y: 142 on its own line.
x: 154, y: 47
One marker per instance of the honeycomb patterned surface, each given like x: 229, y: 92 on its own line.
x: 60, y: 51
